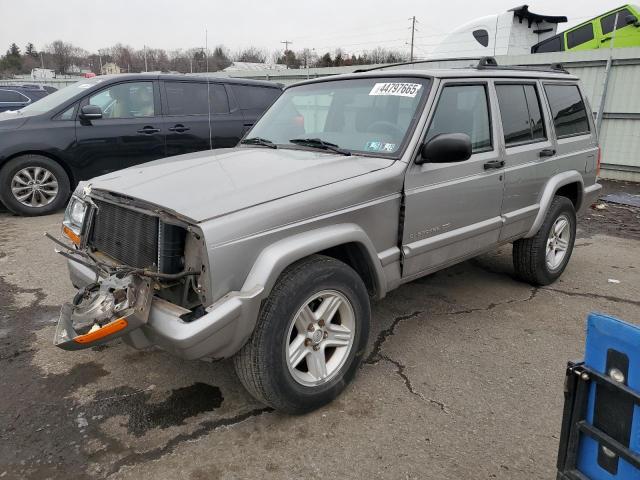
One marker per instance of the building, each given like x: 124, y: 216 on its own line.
x: 110, y: 69
x: 251, y: 66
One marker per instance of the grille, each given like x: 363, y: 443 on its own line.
x: 127, y: 236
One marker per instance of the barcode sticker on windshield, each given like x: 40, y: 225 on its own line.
x: 396, y: 89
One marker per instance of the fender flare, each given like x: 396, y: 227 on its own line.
x: 275, y: 258
x: 550, y: 189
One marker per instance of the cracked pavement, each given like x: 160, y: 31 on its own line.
x: 462, y: 379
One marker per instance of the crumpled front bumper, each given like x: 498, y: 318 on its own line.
x: 217, y: 334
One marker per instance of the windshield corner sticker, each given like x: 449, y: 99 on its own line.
x: 380, y: 147
x: 396, y: 89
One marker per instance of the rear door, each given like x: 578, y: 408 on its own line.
x: 253, y: 100
x: 186, y: 116
x: 227, y: 123
x: 528, y: 146
x: 452, y: 210
x: 129, y: 132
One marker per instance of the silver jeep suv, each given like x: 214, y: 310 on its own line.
x: 346, y: 188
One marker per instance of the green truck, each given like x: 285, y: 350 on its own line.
x: 597, y: 33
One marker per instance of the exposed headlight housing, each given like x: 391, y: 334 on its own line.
x: 74, y: 219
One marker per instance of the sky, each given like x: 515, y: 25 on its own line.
x: 321, y: 25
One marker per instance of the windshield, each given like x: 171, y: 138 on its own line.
x: 55, y: 99
x: 368, y: 115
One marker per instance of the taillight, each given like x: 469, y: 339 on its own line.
x: 598, y: 164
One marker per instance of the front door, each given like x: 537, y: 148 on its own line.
x: 129, y: 132
x: 452, y: 210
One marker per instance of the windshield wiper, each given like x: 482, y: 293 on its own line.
x: 259, y: 141
x: 319, y: 143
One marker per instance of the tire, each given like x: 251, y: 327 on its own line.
x: 263, y: 363
x: 532, y: 258
x: 52, y: 178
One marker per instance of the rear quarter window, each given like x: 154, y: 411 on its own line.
x: 568, y: 110
x: 252, y: 97
x: 580, y: 35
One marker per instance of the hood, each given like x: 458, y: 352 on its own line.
x: 205, y: 185
x: 11, y: 120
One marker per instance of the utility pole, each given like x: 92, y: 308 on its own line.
x: 42, y: 60
x: 413, y: 31
x: 607, y: 74
x: 286, y: 49
x: 206, y: 49
x: 145, y: 58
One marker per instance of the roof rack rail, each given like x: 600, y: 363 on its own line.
x: 490, y: 63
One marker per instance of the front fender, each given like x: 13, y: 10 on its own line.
x: 276, y: 257
x: 549, y: 191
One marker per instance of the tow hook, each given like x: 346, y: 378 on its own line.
x: 104, y: 311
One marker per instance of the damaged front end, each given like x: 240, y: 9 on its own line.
x: 104, y: 311
x: 136, y: 254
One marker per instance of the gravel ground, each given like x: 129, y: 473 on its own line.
x: 463, y: 378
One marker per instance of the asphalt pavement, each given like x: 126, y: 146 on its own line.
x: 463, y: 378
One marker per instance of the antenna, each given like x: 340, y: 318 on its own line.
x: 206, y: 56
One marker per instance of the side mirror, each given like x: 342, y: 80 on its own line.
x: 445, y: 148
x: 631, y: 20
x: 90, y: 112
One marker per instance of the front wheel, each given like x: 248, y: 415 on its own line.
x: 541, y: 259
x: 310, y: 338
x: 32, y: 185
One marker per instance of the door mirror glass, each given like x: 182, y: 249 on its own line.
x: 445, y: 148
x: 90, y: 112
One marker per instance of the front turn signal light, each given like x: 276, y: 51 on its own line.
x: 73, y: 236
x: 108, y: 329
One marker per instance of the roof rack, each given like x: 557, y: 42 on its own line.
x: 490, y: 63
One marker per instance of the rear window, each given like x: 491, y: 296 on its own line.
x: 580, y: 35
x: 568, y: 110
x: 250, y: 97
x: 554, y: 44
x: 187, y: 98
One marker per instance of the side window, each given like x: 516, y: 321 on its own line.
x: 68, y: 114
x: 580, y: 35
x: 463, y: 109
x: 126, y: 100
x: 568, y: 110
x: 482, y: 36
x: 607, y: 22
x: 553, y: 44
x: 253, y: 97
x: 219, y: 99
x: 520, y: 112
x: 12, y: 96
x: 187, y: 98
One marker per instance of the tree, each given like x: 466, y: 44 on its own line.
x: 289, y: 59
x: 30, y: 50
x: 219, y: 60
x: 252, y: 55
x: 12, y: 61
x: 62, y: 54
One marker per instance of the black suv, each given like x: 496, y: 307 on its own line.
x: 15, y: 97
x: 107, y: 123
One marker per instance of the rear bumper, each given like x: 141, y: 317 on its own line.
x: 217, y: 334
x: 589, y: 195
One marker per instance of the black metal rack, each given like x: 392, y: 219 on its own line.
x: 490, y: 63
x: 614, y: 402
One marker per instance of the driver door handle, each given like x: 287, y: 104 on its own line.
x: 547, y: 152
x: 179, y: 128
x: 494, y: 164
x: 148, y: 130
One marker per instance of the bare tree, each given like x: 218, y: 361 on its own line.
x: 61, y: 54
x: 251, y: 54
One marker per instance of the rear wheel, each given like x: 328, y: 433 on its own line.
x: 33, y: 185
x: 310, y: 337
x: 541, y: 259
